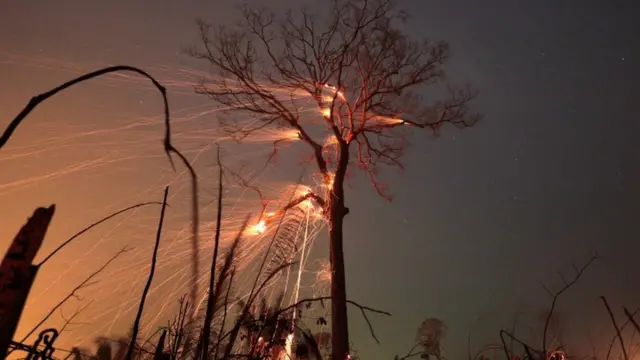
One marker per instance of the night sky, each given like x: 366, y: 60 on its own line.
x: 479, y: 218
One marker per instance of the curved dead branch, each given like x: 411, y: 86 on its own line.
x: 168, y: 145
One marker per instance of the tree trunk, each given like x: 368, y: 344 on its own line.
x: 338, y: 210
x: 339, y: 324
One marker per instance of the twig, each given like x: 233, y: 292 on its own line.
x: 526, y: 347
x: 94, y: 225
x: 224, y: 313
x: 629, y: 319
x: 253, y: 294
x: 411, y: 353
x: 206, y: 330
x: 82, y: 285
x: 556, y: 296
x: 68, y: 321
x: 168, y: 146
x: 632, y: 319
x: 363, y: 310
x: 136, y: 323
x: 615, y: 325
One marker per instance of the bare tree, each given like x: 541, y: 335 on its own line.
x: 362, y: 76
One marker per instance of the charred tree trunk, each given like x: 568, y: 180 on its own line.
x: 337, y: 212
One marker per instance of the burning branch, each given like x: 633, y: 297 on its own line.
x: 359, y: 74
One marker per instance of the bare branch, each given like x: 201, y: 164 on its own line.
x: 350, y: 76
x: 211, y: 300
x: 624, y: 325
x: 69, y: 321
x: 154, y: 258
x: 73, y: 292
x: 615, y: 325
x: 79, y: 233
x: 363, y: 310
x: 556, y: 296
x: 168, y: 145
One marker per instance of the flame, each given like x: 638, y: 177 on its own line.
x: 326, y: 112
x: 303, y: 190
x: 288, y: 345
x: 292, y: 135
x: 392, y: 121
x: 308, y: 204
x: 329, y: 181
x: 260, y: 227
x: 335, y: 91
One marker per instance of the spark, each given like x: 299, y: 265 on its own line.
x: 260, y: 227
x: 308, y: 204
x: 391, y: 120
x: 335, y: 91
x: 288, y: 354
x: 292, y: 135
x: 62, y: 155
x: 329, y: 180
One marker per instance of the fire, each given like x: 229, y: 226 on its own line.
x: 335, y: 91
x: 303, y: 190
x: 308, y: 204
x: 326, y: 112
x: 392, y: 121
x: 288, y: 348
x: 260, y: 227
x: 329, y: 181
x: 293, y: 135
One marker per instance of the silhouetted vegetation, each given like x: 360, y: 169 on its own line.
x: 374, y: 67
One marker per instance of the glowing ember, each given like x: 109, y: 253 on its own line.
x: 335, y: 91
x: 329, y: 181
x: 260, y: 227
x: 391, y: 121
x: 292, y: 135
x: 308, y: 204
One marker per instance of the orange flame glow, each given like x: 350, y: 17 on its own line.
x: 292, y: 135
x: 260, y: 227
x: 329, y: 181
x: 335, y: 91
